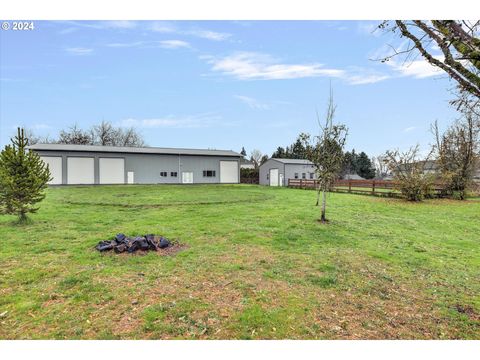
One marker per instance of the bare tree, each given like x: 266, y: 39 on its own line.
x: 105, y: 134
x: 326, y: 153
x: 129, y: 137
x: 457, y: 153
x: 381, y: 168
x: 458, y: 41
x: 256, y: 157
x: 36, y: 139
x: 75, y: 135
x: 413, y: 175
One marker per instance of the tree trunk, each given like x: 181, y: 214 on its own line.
x: 22, y: 218
x: 318, y: 196
x: 324, y: 206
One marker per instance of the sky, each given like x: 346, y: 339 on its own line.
x: 220, y: 84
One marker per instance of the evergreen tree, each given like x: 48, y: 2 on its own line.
x: 243, y: 152
x: 23, y: 178
x: 279, y: 153
x: 365, y: 167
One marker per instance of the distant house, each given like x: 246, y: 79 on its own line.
x: 431, y: 167
x: 276, y: 172
x: 246, y: 164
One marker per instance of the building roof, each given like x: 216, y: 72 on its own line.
x: 133, y: 150
x: 293, y: 161
x: 353, y: 177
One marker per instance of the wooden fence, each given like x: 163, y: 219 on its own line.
x: 371, y: 187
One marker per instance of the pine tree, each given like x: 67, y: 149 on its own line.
x: 23, y: 178
x: 365, y: 166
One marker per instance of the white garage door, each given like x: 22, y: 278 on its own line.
x: 228, y: 171
x: 55, y: 166
x: 112, y: 171
x: 80, y: 170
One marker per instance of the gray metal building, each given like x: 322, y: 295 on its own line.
x: 88, y: 164
x: 276, y: 172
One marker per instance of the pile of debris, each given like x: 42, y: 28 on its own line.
x: 122, y: 243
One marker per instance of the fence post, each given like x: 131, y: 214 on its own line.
x: 373, y: 187
x: 349, y: 185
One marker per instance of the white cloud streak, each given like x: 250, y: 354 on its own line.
x: 256, y: 66
x: 408, y: 129
x: 189, y: 121
x: 252, y: 103
x: 166, y: 44
x: 79, y: 51
x: 167, y: 27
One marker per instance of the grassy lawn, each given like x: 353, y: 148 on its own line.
x: 258, y: 266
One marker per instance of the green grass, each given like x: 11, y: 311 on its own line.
x: 259, y: 266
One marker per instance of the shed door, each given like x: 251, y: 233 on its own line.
x: 229, y: 172
x: 112, y: 171
x: 273, y: 177
x: 80, y: 170
x: 187, y: 177
x: 55, y: 167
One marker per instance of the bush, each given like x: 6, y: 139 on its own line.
x: 411, y: 174
x: 249, y: 176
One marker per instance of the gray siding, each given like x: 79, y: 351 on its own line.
x: 265, y: 170
x: 147, y: 167
x: 288, y: 171
x: 291, y: 169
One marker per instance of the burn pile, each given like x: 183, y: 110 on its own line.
x: 122, y: 243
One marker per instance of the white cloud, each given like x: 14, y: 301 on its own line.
x: 360, y: 76
x: 418, y: 69
x: 120, y: 24
x: 408, y: 129
x: 166, y: 44
x: 256, y: 66
x: 252, y: 103
x: 163, y: 27
x: 171, y: 121
x: 174, y: 44
x: 208, y: 34
x: 79, y: 51
x: 167, y: 27
x: 124, y: 45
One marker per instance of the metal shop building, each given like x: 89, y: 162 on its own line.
x: 276, y: 172
x: 88, y: 164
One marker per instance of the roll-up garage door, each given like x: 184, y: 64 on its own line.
x: 80, y: 170
x: 55, y: 166
x: 229, y: 171
x: 112, y: 171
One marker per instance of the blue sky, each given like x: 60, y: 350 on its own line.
x: 218, y: 84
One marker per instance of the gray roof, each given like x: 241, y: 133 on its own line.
x: 134, y: 150
x: 293, y: 161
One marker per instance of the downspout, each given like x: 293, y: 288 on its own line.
x: 179, y: 172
